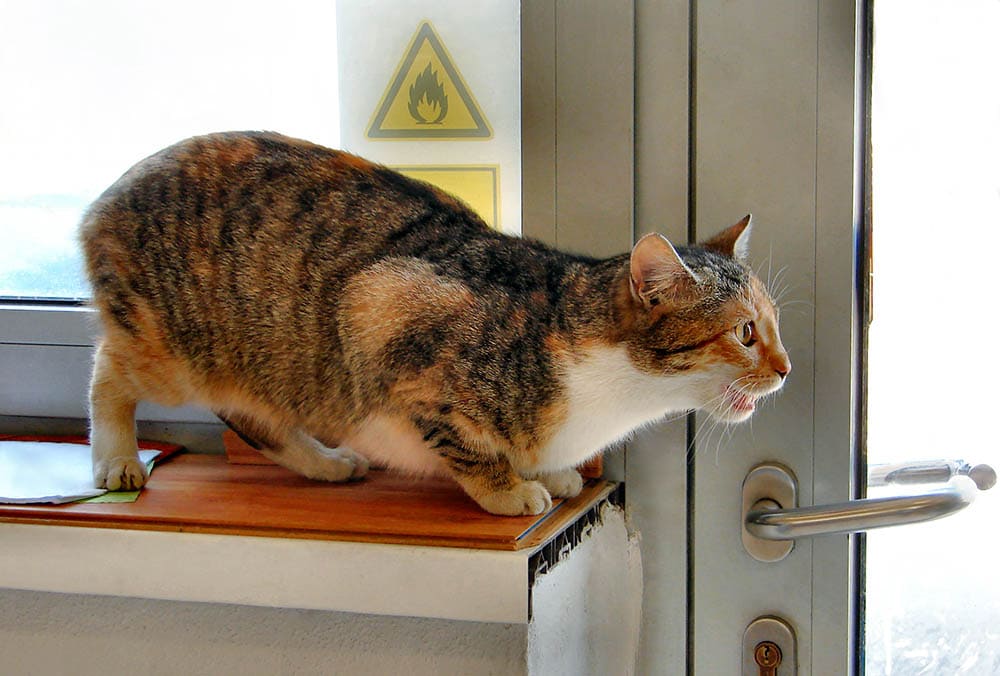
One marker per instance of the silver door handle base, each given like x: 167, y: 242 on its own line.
x: 772, y: 520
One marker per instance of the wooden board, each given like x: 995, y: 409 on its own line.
x: 204, y: 493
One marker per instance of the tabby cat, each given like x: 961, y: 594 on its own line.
x: 331, y: 310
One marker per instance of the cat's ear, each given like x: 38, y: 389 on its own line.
x: 657, y: 273
x: 734, y: 241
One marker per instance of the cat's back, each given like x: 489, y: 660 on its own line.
x: 222, y: 248
x: 248, y: 218
x: 231, y: 181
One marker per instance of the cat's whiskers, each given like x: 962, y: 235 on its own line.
x: 760, y: 267
x: 727, y: 432
x: 696, y: 438
x: 702, y: 440
x: 772, y: 283
x: 703, y: 434
x: 699, y: 437
x: 789, y: 303
x: 765, y: 402
x: 737, y: 385
x: 779, y: 289
x: 710, y: 408
x: 778, y: 297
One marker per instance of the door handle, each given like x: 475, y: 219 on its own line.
x: 772, y: 519
x: 930, y: 472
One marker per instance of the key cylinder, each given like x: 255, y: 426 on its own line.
x: 767, y: 655
x: 769, y: 648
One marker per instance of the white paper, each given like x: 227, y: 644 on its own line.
x: 37, y: 471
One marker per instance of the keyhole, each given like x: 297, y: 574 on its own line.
x: 767, y: 655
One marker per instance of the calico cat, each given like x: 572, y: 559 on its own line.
x: 331, y: 310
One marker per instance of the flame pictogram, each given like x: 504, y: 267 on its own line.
x: 428, y: 102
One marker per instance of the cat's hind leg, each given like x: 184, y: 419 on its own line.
x: 490, y: 480
x: 295, y: 450
x: 114, y: 452
x: 498, y: 489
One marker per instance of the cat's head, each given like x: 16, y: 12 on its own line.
x: 699, y: 312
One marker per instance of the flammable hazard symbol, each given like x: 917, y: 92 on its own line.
x: 427, y: 97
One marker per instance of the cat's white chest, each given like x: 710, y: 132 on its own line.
x: 608, y: 399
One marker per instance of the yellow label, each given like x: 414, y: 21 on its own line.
x: 427, y: 97
x: 476, y: 185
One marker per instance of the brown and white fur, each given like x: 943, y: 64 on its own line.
x: 331, y: 310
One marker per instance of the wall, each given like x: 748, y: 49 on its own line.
x: 47, y: 634
x: 588, y: 609
x: 585, y: 621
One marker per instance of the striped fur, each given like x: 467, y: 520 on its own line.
x: 307, y: 294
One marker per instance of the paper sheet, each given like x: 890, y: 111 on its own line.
x: 35, y: 471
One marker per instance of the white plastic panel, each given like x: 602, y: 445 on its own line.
x: 459, y: 584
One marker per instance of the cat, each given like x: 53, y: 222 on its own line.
x: 331, y: 310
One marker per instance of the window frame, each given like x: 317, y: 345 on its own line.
x: 46, y: 350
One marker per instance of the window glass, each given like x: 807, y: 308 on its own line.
x: 933, y: 594
x: 431, y: 88
x: 90, y: 88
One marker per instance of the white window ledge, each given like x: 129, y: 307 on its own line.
x: 401, y: 580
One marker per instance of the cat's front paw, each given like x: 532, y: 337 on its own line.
x: 527, y: 497
x: 565, y: 483
x: 120, y: 474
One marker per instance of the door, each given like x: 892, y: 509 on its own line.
x: 774, y: 134
x: 778, y: 125
x: 770, y: 90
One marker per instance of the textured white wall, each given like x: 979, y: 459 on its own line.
x: 587, y: 610
x: 47, y: 634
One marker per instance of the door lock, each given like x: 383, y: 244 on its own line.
x: 767, y: 655
x: 769, y: 648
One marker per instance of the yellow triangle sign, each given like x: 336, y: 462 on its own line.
x: 427, y: 97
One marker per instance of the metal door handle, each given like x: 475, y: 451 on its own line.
x: 772, y: 520
x: 930, y: 472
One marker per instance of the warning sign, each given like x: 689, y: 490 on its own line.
x: 476, y: 185
x: 427, y: 97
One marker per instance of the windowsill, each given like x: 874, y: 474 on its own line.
x: 204, y: 530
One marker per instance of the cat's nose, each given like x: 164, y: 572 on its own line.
x: 782, y: 366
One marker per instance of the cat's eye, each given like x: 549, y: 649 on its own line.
x: 746, y: 332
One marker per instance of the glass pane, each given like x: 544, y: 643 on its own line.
x: 933, y: 593
x: 91, y: 88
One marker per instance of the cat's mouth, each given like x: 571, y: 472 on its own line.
x: 739, y: 405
